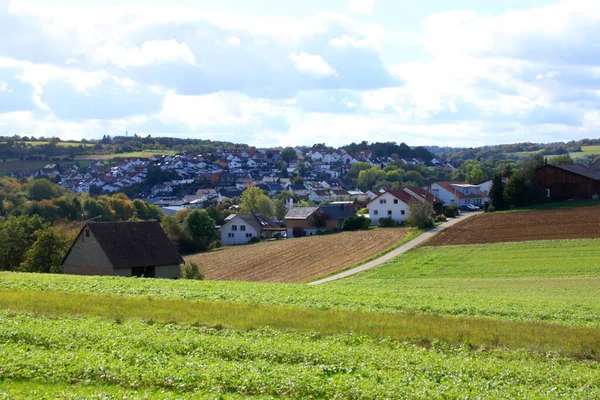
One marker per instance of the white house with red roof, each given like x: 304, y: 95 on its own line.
x: 390, y: 204
x: 459, y: 193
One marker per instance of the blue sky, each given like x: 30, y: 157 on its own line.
x: 278, y: 73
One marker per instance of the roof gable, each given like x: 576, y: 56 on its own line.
x: 135, y: 244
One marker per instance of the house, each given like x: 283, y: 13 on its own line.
x: 390, y: 204
x: 458, y: 193
x: 314, y: 219
x: 139, y: 249
x: 423, y: 195
x: 242, y: 228
x: 565, y: 182
x: 162, y: 188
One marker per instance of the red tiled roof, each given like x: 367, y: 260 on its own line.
x: 424, y: 193
x: 399, y: 194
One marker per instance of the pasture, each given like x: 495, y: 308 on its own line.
x: 25, y: 165
x: 298, y: 260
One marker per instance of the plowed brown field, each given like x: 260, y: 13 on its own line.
x: 569, y: 223
x: 296, y: 260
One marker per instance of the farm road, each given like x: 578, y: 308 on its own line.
x: 396, y: 252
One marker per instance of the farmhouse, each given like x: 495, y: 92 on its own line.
x: 242, y: 228
x: 312, y: 220
x: 125, y: 249
x: 564, y: 182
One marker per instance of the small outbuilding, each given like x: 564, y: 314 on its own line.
x: 139, y: 249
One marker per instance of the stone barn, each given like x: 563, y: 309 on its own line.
x: 139, y: 249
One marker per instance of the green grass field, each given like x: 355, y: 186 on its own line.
x: 24, y: 165
x: 586, y: 151
x: 509, y: 320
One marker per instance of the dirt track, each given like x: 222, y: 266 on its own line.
x: 296, y: 260
x: 570, y: 223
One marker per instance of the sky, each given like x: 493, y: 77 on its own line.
x: 286, y: 73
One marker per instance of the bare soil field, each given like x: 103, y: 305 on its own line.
x: 296, y: 260
x: 572, y: 223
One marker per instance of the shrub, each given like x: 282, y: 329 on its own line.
x: 255, y: 239
x: 191, y: 270
x: 451, y: 211
x: 356, y: 223
x: 387, y: 222
x: 298, y: 232
x: 420, y: 214
x: 491, y: 209
x: 441, y: 218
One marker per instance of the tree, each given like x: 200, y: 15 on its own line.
x: 41, y: 189
x: 191, y: 270
x: 265, y: 206
x: 201, y: 228
x: 368, y: 178
x: 216, y: 214
x: 564, y: 159
x: 497, y: 193
x: 288, y: 154
x: 420, y: 214
x: 253, y: 199
x: 356, y: 223
x: 476, y: 175
x: 47, y: 252
x: 17, y: 235
x: 414, y: 176
x: 356, y: 168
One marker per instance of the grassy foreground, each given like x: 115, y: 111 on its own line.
x: 578, y: 342
x: 144, y: 359
x: 546, y: 281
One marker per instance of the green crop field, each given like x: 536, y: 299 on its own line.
x: 508, y: 320
x: 143, y: 358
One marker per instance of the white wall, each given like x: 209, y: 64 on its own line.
x: 450, y: 199
x: 377, y: 209
x: 239, y: 235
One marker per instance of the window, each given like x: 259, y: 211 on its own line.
x: 230, y: 234
x: 389, y: 212
x: 248, y: 235
x: 402, y: 212
x: 395, y: 201
x: 234, y: 227
x: 382, y: 201
x: 242, y: 227
x: 376, y: 212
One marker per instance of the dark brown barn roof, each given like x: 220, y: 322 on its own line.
x: 135, y: 244
x: 580, y: 170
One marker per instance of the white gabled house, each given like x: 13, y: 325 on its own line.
x: 389, y: 204
x: 242, y: 228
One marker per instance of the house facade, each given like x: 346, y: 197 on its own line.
x: 315, y: 219
x: 242, y: 228
x: 139, y: 249
x: 459, y: 193
x: 390, y: 204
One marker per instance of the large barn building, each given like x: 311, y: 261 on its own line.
x: 139, y: 249
x: 565, y: 182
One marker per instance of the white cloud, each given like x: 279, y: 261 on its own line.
x: 312, y: 64
x: 361, y: 6
x: 234, y: 41
x: 151, y: 52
